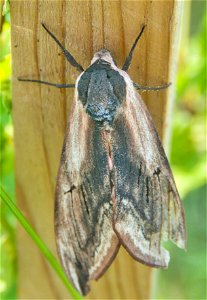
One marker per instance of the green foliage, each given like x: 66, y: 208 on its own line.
x: 6, y: 8
x: 188, y: 140
x: 7, y: 235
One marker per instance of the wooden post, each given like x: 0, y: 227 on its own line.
x: 40, y: 112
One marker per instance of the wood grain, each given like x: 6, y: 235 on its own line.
x: 40, y: 113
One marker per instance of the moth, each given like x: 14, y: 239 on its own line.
x: 114, y: 186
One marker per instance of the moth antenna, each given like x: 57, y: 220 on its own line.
x: 129, y: 57
x: 151, y: 88
x: 66, y: 53
x: 58, y: 85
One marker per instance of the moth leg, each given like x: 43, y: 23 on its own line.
x: 129, y: 57
x: 151, y: 88
x: 58, y: 85
x: 66, y: 53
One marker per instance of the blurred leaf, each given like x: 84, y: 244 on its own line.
x: 5, y: 41
x: 7, y: 234
x: 188, y: 155
x: 6, y: 7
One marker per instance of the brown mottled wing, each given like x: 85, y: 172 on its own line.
x: 83, y: 211
x: 147, y: 207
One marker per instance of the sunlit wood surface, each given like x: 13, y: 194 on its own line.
x: 40, y: 113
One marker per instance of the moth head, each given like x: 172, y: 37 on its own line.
x: 105, y: 55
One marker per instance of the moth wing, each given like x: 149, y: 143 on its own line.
x: 83, y: 212
x: 147, y: 207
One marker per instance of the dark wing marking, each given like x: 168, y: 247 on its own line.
x: 147, y: 207
x: 83, y: 212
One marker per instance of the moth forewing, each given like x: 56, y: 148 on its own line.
x: 144, y: 185
x: 83, y: 213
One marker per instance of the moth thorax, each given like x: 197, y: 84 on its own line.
x: 101, y: 89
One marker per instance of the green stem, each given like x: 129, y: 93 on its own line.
x: 39, y: 242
